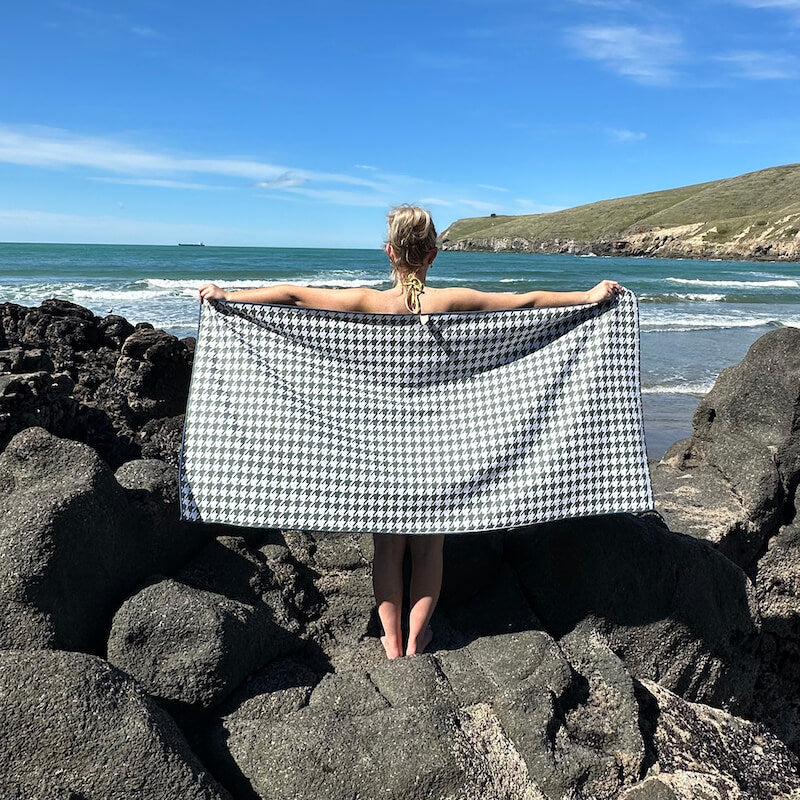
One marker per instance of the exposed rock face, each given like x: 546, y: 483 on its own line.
x: 679, y: 613
x: 702, y: 240
x: 113, y: 385
x: 702, y: 752
x: 778, y: 585
x: 587, y: 659
x: 74, y: 544
x: 69, y: 549
x: 74, y: 726
x: 698, y: 240
x: 731, y: 481
x: 195, y: 638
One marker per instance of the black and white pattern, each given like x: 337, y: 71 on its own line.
x: 305, y: 419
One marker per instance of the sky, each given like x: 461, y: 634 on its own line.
x: 301, y: 124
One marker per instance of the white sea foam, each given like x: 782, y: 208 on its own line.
x: 697, y: 387
x: 666, y: 318
x: 707, y: 298
x: 131, y: 295
x: 787, y: 283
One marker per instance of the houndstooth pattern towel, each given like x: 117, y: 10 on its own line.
x: 306, y: 419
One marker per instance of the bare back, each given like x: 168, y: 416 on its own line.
x: 431, y: 300
x: 391, y: 301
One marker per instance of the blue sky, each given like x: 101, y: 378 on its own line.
x: 301, y: 125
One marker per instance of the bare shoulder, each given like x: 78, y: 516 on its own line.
x: 461, y: 298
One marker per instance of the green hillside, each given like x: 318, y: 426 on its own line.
x: 757, y: 203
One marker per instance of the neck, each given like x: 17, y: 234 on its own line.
x: 401, y: 276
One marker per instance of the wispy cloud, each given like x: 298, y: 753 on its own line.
x: 283, y: 181
x: 46, y: 226
x: 647, y: 56
x: 92, y: 19
x: 161, y: 183
x: 49, y: 148
x: 492, y: 188
x: 145, y: 32
x: 760, y: 66
x: 46, y: 147
x: 788, y: 5
x: 624, y: 135
x: 609, y: 5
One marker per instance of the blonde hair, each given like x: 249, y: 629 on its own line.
x: 412, y: 236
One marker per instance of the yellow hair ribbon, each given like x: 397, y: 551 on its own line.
x: 415, y: 288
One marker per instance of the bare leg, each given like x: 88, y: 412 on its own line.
x: 426, y: 584
x: 387, y: 583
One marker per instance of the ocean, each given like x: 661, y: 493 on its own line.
x: 697, y: 317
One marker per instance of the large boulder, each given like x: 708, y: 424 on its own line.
x: 497, y: 713
x: 71, y: 543
x: 59, y: 327
x: 74, y: 726
x: 195, y: 638
x: 730, y: 480
x: 673, y: 608
x: 75, y: 542
x: 697, y: 751
x: 778, y: 587
x: 498, y: 709
x: 117, y: 386
x: 154, y: 370
x: 151, y: 486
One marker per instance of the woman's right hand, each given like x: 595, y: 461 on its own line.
x: 603, y: 291
x: 210, y: 291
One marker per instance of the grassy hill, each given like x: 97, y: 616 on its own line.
x: 754, y: 215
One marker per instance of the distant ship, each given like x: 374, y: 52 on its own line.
x: 190, y: 244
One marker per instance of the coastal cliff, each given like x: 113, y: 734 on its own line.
x: 751, y: 217
x: 648, y: 656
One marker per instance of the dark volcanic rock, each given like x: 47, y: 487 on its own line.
x: 25, y: 359
x: 36, y: 399
x: 729, y: 481
x: 673, y: 608
x: 564, y: 656
x: 154, y: 370
x: 117, y: 388
x: 195, y: 638
x: 702, y: 752
x: 778, y: 586
x: 191, y: 646
x: 408, y: 729
x: 70, y: 544
x: 161, y: 438
x: 76, y: 727
x: 151, y: 486
x: 75, y: 542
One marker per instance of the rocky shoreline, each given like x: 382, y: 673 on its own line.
x: 643, y: 657
x: 685, y: 241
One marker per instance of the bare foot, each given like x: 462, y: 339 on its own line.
x: 420, y: 648
x: 393, y: 649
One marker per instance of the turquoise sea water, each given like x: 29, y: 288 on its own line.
x: 697, y: 317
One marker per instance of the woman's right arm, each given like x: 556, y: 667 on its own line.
x: 474, y: 300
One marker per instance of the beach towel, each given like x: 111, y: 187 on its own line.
x: 453, y: 422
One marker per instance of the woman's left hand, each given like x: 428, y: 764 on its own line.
x: 210, y: 291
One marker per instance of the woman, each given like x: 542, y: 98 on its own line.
x: 411, y: 248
